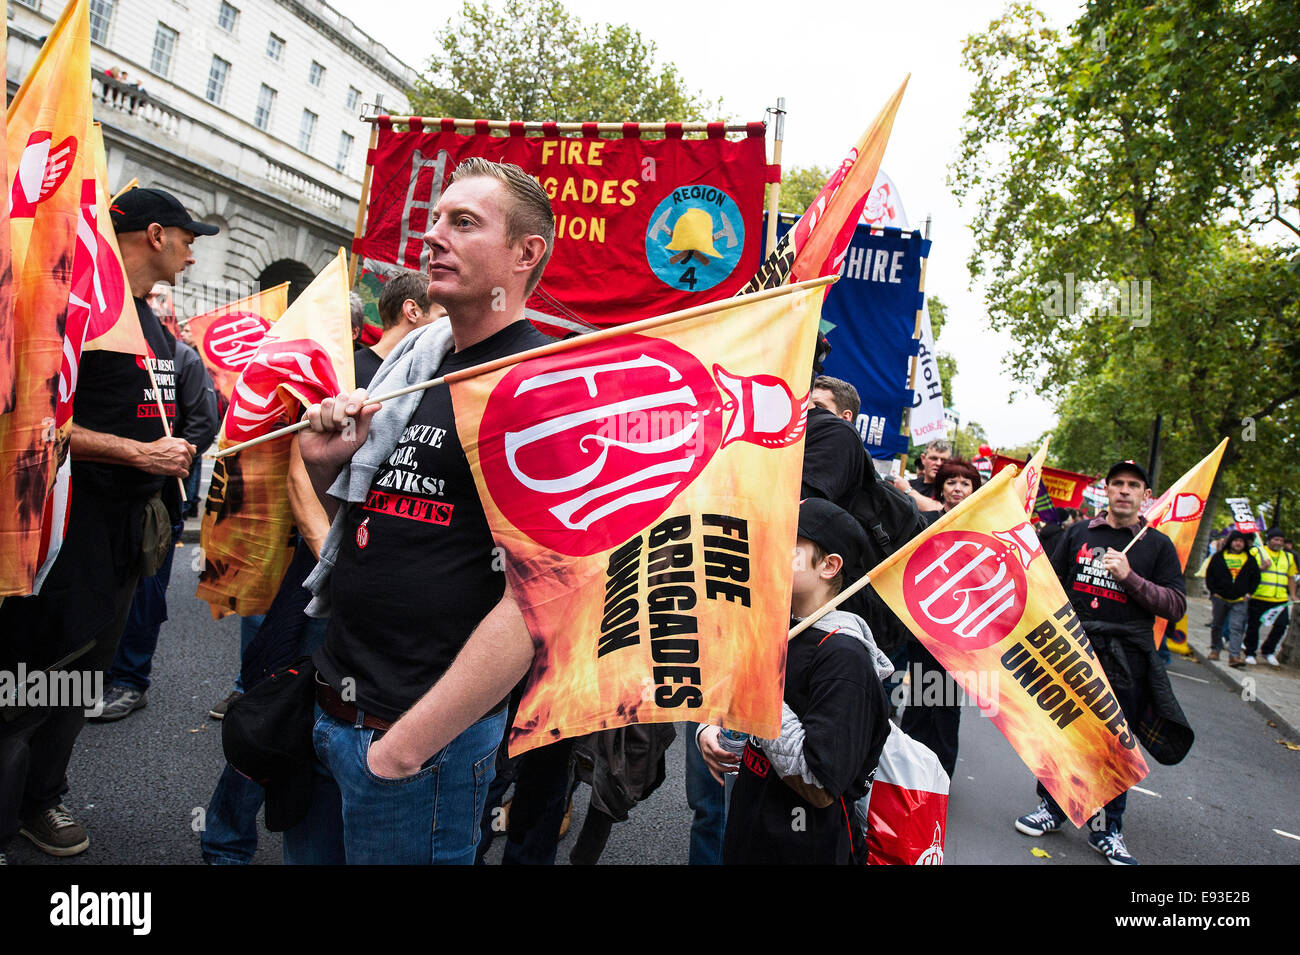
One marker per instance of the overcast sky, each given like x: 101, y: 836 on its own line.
x: 835, y: 63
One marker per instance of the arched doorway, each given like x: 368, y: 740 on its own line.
x: 286, y: 270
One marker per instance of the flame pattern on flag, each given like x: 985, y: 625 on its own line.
x: 977, y: 590
x: 1177, y: 513
x: 47, y: 127
x: 644, y: 490
x: 305, y: 355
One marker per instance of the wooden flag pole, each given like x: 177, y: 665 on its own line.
x: 774, y: 191
x: 162, y: 412
x: 365, y: 194
x: 561, y: 346
x: 827, y: 607
x: 537, y: 126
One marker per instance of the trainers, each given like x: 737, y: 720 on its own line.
x: 1250, y: 661
x: 218, y: 712
x: 1212, y: 655
x: 56, y: 833
x: 1042, y: 820
x: 1271, y: 660
x: 1111, y: 845
x: 119, y: 702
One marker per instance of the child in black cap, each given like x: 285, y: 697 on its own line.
x: 793, y: 801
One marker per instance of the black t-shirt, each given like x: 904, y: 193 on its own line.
x: 365, y: 363
x: 415, y: 572
x: 922, y: 488
x: 114, y: 396
x: 832, y: 686
x: 833, y: 458
x: 1093, y: 592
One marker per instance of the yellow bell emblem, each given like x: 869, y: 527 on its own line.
x: 693, y: 234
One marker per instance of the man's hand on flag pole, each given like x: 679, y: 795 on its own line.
x: 336, y: 428
x: 1116, y: 562
x: 170, y: 457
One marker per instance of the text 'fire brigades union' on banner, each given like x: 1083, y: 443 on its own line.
x: 669, y: 223
x: 645, y: 490
x: 978, y: 591
x: 872, y: 314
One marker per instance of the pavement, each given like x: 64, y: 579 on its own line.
x: 1274, y: 691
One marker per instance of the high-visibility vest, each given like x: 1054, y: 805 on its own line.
x: 1273, y: 582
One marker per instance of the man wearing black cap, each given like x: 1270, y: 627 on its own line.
x: 1117, y: 596
x: 793, y: 801
x: 123, y: 504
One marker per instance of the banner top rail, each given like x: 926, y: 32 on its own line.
x: 549, y: 126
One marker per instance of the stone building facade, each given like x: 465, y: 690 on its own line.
x: 247, y: 110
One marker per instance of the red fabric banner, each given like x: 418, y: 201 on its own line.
x: 669, y: 223
x: 1065, y: 488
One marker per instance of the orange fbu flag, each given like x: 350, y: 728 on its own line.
x: 228, y: 337
x: 816, y: 245
x: 1028, y: 480
x: 977, y: 590
x: 247, y: 522
x: 644, y: 491
x: 7, y: 283
x: 46, y: 130
x: 1177, y: 513
x: 112, y: 323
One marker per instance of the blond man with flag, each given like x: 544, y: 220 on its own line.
x: 124, y: 461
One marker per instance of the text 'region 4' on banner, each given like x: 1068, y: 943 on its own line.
x: 675, y: 220
x: 979, y: 592
x: 645, y: 491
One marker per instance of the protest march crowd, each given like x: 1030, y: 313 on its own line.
x: 410, y: 663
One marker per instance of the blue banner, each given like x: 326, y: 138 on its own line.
x: 872, y: 309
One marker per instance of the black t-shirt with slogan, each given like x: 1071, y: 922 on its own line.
x: 114, y: 396
x: 1094, y: 593
x: 416, y: 572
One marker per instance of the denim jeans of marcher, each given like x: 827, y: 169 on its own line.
x: 359, y: 818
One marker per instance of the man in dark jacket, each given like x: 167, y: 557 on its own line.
x: 1120, y: 575
x: 1231, y: 577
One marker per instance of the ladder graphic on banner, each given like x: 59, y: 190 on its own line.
x: 438, y: 168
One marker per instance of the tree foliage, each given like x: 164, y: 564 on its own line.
x: 800, y: 186
x: 534, y: 61
x: 1157, y: 145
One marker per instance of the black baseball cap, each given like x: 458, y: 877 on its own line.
x: 1119, y: 467
x: 137, y: 209
x: 835, y: 531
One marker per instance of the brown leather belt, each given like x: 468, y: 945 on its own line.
x: 346, y: 712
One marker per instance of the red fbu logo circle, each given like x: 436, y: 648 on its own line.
x: 232, y: 340
x: 582, y: 449
x: 965, y: 588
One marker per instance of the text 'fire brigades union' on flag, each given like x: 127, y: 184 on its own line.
x: 980, y: 594
x: 645, y: 491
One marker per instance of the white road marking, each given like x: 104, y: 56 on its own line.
x: 1149, y: 792
x: 1195, y: 679
x: 1287, y: 834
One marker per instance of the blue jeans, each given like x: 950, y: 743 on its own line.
x: 708, y: 800
x: 359, y: 818
x: 134, y: 660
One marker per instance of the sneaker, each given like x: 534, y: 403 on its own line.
x: 1271, y: 660
x: 1039, y: 822
x: 119, y: 702
x: 1250, y: 661
x: 218, y: 712
x: 56, y: 833
x: 1111, y: 845
x: 1212, y: 655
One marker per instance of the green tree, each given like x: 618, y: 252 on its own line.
x: 800, y: 186
x: 1124, y: 172
x: 536, y: 61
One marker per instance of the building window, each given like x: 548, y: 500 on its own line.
x: 217, y: 74
x: 316, y: 75
x: 345, y: 152
x: 227, y: 17
x: 274, y: 47
x: 164, y: 45
x: 101, y: 15
x: 354, y: 97
x: 265, y: 100
x: 34, y: 4
x: 306, y: 130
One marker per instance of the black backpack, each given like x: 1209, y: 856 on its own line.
x: 890, y: 519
